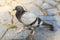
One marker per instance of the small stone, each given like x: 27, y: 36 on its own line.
x: 46, y: 6
x: 58, y: 6
x: 51, y: 2
x: 52, y: 11
x: 34, y: 9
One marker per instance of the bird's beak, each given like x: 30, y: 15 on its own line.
x: 13, y: 9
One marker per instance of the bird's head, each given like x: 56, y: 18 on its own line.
x: 19, y: 9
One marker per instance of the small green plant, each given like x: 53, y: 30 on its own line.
x: 12, y: 26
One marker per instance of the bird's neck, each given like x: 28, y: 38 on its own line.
x: 19, y: 14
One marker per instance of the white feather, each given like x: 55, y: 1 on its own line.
x: 28, y: 18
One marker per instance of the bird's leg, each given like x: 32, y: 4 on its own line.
x: 25, y: 27
x: 31, y: 37
x: 21, y: 29
x: 49, y: 26
x: 18, y: 30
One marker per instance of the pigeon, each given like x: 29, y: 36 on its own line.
x: 29, y: 19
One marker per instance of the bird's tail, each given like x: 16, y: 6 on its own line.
x: 50, y: 26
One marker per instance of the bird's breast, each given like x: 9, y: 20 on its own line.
x: 28, y: 18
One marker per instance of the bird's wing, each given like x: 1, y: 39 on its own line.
x: 28, y: 18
